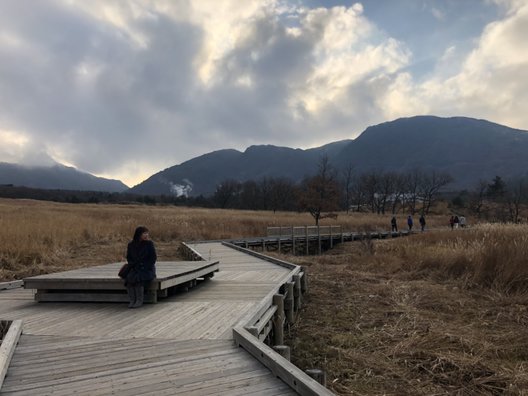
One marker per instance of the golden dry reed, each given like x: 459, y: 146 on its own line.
x: 41, y: 237
x: 488, y: 255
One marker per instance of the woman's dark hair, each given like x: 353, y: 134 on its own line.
x: 137, y: 234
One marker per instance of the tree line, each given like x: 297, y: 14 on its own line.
x: 321, y: 194
x: 327, y: 191
x: 496, y: 200
x: 330, y: 190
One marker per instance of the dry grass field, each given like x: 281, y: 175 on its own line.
x: 40, y: 237
x: 444, y: 312
x: 433, y: 314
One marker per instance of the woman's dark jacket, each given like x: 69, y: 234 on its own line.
x: 141, y: 256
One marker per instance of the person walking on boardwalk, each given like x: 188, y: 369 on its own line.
x: 422, y: 222
x: 452, y: 222
x: 394, y: 225
x: 410, y: 222
x: 456, y: 221
x: 141, y: 257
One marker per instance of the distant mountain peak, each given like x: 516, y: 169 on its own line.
x: 56, y: 176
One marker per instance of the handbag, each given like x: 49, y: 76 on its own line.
x: 123, y: 272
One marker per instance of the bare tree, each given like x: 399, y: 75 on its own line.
x: 477, y: 198
x: 226, y: 193
x: 348, y: 179
x: 320, y: 193
x: 399, y: 191
x: 282, y: 194
x: 413, y: 180
x: 431, y: 184
x: 387, y: 187
x: 516, y: 195
x: 369, y: 184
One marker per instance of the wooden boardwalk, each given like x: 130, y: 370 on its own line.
x: 182, y: 345
x: 308, y: 240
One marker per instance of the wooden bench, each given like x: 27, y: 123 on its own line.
x: 101, y: 283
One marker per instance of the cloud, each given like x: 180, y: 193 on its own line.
x: 492, y: 82
x: 125, y: 89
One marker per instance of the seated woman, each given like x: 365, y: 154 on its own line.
x: 141, y: 257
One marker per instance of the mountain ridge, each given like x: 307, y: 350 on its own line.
x: 467, y: 148
x: 56, y: 176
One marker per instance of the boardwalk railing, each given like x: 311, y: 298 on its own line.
x: 9, y: 342
x: 265, y: 325
x: 11, y: 285
x: 290, y: 231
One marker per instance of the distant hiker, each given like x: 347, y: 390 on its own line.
x: 462, y: 221
x: 422, y: 222
x: 394, y: 225
x: 141, y: 257
x: 456, y: 221
x: 452, y: 221
x: 410, y: 222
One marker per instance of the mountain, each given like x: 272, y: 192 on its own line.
x: 202, y: 174
x: 466, y: 148
x: 56, y: 177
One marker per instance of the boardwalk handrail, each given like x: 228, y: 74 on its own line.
x: 279, y: 366
x: 7, y: 348
x: 11, y: 285
x: 258, y: 320
x: 284, y: 231
x: 190, y: 253
x: 298, y: 380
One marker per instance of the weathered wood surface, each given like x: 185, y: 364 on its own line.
x: 7, y: 348
x: 11, y: 285
x: 182, y: 345
x: 45, y: 365
x: 102, y: 284
x: 105, y: 276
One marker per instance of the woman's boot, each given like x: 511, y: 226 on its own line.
x: 140, y: 291
x: 131, y: 290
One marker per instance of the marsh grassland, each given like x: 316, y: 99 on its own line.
x: 433, y: 314
x: 444, y: 312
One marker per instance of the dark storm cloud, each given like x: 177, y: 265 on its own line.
x: 74, y: 82
x: 119, y: 88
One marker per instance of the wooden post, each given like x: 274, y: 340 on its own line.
x: 307, y: 243
x: 279, y: 243
x: 318, y: 375
x: 293, y: 241
x: 304, y: 282
x: 253, y: 331
x: 331, y: 238
x: 289, y: 303
x: 263, y: 245
x: 278, y: 320
x: 319, y: 238
x: 297, y: 292
x: 283, y: 350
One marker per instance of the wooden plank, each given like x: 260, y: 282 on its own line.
x: 282, y: 368
x: 7, y: 348
x: 180, y: 279
x: 85, y: 297
x: 11, y: 285
x: 265, y: 319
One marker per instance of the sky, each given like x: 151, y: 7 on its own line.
x: 124, y: 89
